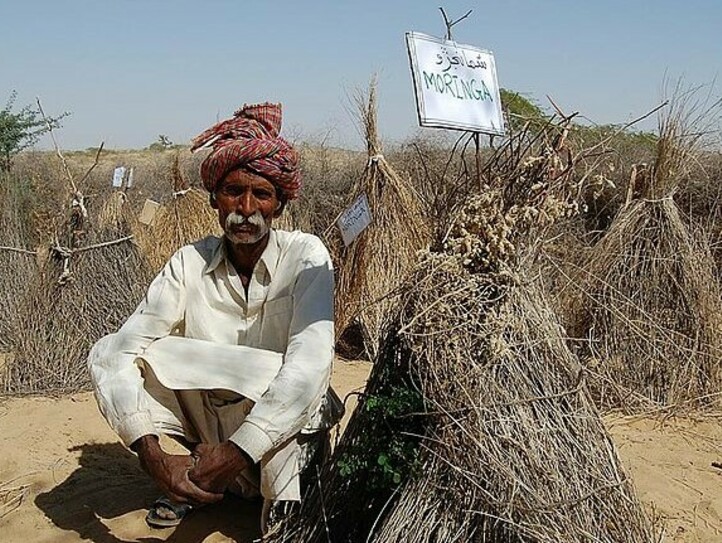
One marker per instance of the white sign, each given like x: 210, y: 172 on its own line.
x: 147, y: 215
x: 118, y: 174
x: 354, y: 220
x: 455, y: 84
x: 129, y: 181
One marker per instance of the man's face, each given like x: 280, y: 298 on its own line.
x: 246, y: 205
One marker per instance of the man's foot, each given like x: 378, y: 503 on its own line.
x: 166, y: 514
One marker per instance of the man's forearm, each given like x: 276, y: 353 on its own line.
x: 148, y: 449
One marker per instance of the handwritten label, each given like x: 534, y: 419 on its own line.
x: 118, y: 174
x: 147, y: 214
x: 354, y: 220
x: 455, y: 85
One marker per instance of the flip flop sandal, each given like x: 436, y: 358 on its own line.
x: 179, y: 512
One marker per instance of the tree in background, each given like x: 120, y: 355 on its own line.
x: 21, y: 130
x: 520, y: 110
x: 164, y: 143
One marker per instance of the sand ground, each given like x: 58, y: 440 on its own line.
x: 65, y: 478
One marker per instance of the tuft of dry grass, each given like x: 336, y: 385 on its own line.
x: 379, y: 260
x: 648, y: 307
x: 188, y: 217
x: 11, y: 497
x: 647, y: 303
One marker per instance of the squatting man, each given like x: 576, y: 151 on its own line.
x: 230, y: 351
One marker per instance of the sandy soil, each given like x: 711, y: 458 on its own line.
x: 670, y: 462
x: 65, y: 478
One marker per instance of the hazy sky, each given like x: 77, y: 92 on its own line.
x: 130, y: 70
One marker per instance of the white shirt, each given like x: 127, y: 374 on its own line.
x: 198, y: 294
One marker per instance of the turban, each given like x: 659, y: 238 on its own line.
x: 250, y: 139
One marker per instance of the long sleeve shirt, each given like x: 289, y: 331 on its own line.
x: 288, y: 309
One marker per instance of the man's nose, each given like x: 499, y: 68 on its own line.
x: 246, y: 204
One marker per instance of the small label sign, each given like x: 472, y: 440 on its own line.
x: 354, y: 220
x: 118, y: 175
x: 147, y: 215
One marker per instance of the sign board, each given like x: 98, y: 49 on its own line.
x: 455, y: 84
x: 147, y: 214
x: 354, y: 220
x: 118, y: 174
x: 129, y: 181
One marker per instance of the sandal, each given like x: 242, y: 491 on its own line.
x: 178, y: 512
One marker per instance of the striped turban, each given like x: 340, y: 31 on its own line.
x: 250, y: 140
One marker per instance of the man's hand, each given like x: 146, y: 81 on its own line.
x: 170, y: 473
x: 217, y: 465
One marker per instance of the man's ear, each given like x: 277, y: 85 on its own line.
x: 214, y: 202
x: 279, y: 209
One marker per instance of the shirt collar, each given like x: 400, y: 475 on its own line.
x: 271, y: 253
x: 269, y: 257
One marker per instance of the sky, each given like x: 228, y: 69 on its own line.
x: 131, y: 70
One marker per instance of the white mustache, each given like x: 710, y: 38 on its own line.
x: 236, y: 219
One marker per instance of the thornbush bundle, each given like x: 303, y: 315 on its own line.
x: 18, y: 265
x: 85, y: 291
x: 476, y: 424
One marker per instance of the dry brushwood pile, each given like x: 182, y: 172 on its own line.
x: 17, y: 260
x: 476, y: 424
x: 648, y: 301
x: 186, y: 218
x: 94, y: 278
x: 379, y: 260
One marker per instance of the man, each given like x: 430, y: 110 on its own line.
x: 230, y: 351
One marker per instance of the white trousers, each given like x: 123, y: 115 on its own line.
x: 184, y: 403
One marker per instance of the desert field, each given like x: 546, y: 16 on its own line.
x: 67, y: 479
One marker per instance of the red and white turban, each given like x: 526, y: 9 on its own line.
x: 250, y: 139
